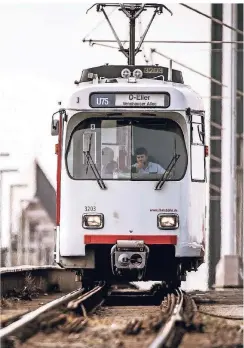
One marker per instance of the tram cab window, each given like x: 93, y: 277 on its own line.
x: 162, y: 140
x: 113, y: 148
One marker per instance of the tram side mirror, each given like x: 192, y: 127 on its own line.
x: 54, y: 127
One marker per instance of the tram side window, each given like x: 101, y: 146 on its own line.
x: 197, y: 148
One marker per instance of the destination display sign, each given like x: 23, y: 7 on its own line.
x: 129, y: 100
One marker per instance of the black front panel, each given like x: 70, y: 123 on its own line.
x: 149, y: 72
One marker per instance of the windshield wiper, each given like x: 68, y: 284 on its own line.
x: 166, y: 174
x: 93, y: 166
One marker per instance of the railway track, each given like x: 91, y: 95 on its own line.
x: 45, y: 316
x: 99, y: 320
x: 173, y: 330
x: 113, y: 317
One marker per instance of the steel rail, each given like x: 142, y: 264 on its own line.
x: 228, y: 317
x: 168, y: 328
x: 77, y: 302
x: 29, y: 317
x: 26, y: 268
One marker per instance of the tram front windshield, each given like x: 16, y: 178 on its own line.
x: 125, y: 149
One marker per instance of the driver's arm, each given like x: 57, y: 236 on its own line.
x: 160, y: 170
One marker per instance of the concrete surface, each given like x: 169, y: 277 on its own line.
x: 229, y: 272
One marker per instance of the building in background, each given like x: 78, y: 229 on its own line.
x: 32, y: 240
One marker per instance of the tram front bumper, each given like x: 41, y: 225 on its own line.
x: 129, y: 255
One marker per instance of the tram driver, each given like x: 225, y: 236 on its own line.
x: 143, y: 166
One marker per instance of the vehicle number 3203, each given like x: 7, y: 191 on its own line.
x: 90, y: 208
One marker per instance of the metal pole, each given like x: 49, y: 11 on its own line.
x: 228, y: 214
x: 10, y: 218
x: 239, y: 143
x: 1, y: 205
x: 1, y: 197
x: 131, y: 60
x: 234, y: 92
x: 170, y: 70
x: 2, y: 154
x: 21, y: 239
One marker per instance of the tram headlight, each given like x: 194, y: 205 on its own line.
x: 93, y: 221
x: 125, y: 73
x: 168, y: 221
x: 137, y: 73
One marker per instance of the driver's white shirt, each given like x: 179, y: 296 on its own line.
x: 151, y: 168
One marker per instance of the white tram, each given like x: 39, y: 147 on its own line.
x: 131, y: 176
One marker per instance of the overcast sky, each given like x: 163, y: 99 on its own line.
x: 42, y: 54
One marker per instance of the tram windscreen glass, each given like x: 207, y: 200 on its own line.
x: 126, y: 149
